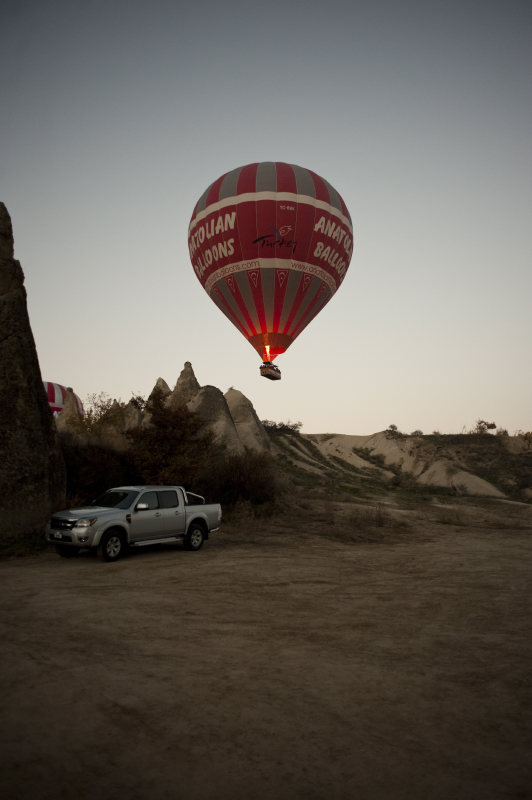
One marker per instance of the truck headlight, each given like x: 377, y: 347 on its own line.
x: 85, y: 523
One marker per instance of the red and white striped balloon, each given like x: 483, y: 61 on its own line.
x: 270, y: 243
x: 56, y: 398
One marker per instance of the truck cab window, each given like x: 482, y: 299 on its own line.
x: 150, y: 498
x: 168, y: 499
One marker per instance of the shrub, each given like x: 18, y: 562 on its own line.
x: 233, y: 479
x: 482, y: 426
x: 527, y: 437
x: 282, y: 427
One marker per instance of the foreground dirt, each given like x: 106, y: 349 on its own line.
x: 272, y: 664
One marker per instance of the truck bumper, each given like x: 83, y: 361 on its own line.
x: 77, y: 537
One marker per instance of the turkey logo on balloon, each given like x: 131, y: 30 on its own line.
x: 270, y: 243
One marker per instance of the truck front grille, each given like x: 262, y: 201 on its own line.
x: 62, y: 524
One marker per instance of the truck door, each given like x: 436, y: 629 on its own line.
x: 173, y: 510
x: 147, y: 523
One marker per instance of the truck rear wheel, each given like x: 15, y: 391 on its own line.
x: 195, y: 537
x: 112, y: 545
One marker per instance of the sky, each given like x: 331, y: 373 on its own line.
x: 116, y: 116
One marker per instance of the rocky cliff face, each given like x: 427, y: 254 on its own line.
x: 249, y: 427
x: 186, y: 387
x: 211, y: 406
x: 32, y: 470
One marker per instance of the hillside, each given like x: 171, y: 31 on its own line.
x: 455, y: 464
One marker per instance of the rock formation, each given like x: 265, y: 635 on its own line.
x: 186, y: 387
x: 249, y: 427
x: 207, y: 401
x: 162, y: 385
x: 211, y: 406
x: 32, y: 469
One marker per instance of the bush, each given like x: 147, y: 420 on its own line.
x: 282, y: 427
x: 482, y: 426
x: 526, y: 436
x: 233, y: 479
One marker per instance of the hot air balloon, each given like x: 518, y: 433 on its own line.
x: 56, y: 398
x: 270, y: 243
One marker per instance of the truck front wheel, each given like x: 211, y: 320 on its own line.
x: 112, y: 545
x: 195, y: 537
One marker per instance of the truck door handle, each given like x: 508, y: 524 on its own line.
x: 158, y: 515
x: 176, y: 512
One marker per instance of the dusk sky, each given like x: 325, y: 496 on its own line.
x: 116, y: 116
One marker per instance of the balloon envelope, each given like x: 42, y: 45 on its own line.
x: 56, y: 398
x: 270, y: 243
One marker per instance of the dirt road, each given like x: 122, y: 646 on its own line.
x: 285, y: 667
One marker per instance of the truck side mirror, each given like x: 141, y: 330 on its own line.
x: 141, y: 507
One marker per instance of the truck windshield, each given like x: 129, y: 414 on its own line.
x: 115, y: 499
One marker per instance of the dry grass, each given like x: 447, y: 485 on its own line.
x: 450, y: 516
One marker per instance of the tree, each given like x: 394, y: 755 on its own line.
x: 174, y: 448
x: 100, y: 410
x: 527, y: 436
x: 483, y: 427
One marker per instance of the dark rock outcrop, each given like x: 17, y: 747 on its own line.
x: 32, y: 469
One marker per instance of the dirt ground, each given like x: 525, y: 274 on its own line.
x: 273, y: 664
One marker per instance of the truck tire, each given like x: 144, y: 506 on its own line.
x: 195, y: 537
x: 66, y: 551
x: 112, y: 545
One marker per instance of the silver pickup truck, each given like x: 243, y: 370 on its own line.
x: 134, y: 516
